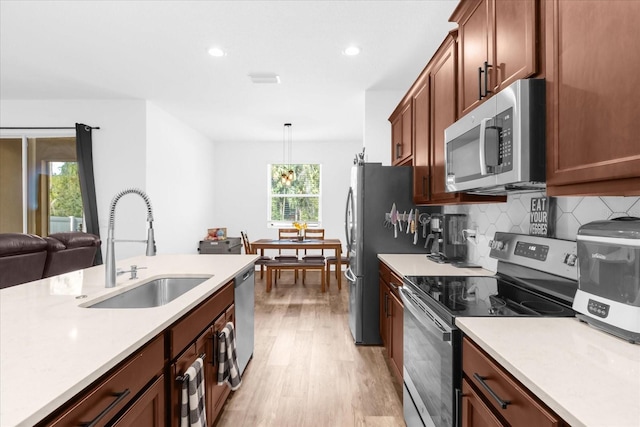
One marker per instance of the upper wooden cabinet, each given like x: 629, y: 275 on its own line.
x: 430, y: 121
x: 402, y: 135
x: 496, y: 45
x: 593, y: 89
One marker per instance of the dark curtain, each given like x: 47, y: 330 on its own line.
x: 84, y: 153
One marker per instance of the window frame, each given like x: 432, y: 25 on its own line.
x: 288, y: 224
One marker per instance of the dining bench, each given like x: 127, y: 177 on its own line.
x: 294, y: 265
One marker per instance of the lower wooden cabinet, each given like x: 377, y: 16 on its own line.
x: 474, y: 411
x: 391, y: 318
x: 144, y: 390
x: 125, y: 388
x: 493, y: 397
x: 148, y: 410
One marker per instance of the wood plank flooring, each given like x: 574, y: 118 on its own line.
x: 306, y: 370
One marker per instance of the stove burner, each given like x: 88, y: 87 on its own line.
x: 542, y: 307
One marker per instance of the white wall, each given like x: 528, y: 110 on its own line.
x: 241, y: 184
x: 118, y: 150
x: 378, y: 106
x: 140, y: 146
x: 180, y: 182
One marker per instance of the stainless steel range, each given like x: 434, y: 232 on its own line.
x: 535, y: 277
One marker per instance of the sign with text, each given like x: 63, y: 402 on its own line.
x: 542, y: 217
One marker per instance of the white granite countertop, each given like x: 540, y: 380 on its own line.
x: 420, y: 265
x: 586, y: 376
x: 51, y: 348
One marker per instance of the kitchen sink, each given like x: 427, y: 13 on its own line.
x: 155, y: 293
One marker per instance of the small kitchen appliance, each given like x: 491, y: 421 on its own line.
x: 608, y: 295
x: 446, y: 242
x: 499, y: 146
x: 536, y: 276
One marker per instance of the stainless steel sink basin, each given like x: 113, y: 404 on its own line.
x: 154, y: 293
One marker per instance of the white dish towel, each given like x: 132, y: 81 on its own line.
x: 192, y: 411
x: 228, y: 370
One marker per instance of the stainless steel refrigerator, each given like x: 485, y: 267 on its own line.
x: 373, y: 191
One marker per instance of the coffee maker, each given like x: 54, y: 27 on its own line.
x: 446, y: 242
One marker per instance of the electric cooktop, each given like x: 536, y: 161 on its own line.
x: 536, y: 277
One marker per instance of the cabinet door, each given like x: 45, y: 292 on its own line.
x: 473, y: 45
x: 217, y: 393
x: 515, y: 32
x: 397, y: 334
x: 421, y: 155
x: 474, y: 412
x: 148, y: 410
x: 443, y: 114
x: 401, y: 135
x: 384, y: 313
x: 592, y: 93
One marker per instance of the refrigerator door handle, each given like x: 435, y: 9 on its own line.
x: 349, y: 275
x: 348, y: 217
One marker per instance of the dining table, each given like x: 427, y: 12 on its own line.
x: 328, y: 244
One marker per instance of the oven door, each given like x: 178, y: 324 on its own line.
x: 431, y: 365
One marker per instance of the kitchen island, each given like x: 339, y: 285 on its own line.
x: 52, y: 347
x: 588, y: 377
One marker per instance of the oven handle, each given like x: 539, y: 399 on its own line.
x: 422, y: 314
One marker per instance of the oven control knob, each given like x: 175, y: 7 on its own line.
x: 496, y: 244
x: 570, y: 259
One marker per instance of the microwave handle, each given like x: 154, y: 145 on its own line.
x: 482, y: 146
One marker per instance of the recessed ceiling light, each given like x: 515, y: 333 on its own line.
x: 351, y: 51
x: 217, y: 52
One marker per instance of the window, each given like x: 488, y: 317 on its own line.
x: 298, y: 200
x: 40, y: 191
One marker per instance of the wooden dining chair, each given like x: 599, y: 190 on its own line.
x: 287, y: 234
x: 262, y: 261
x: 332, y: 260
x: 315, y: 255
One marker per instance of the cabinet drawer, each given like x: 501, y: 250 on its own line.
x: 183, y: 332
x: 132, y: 376
x: 385, y: 272
x: 521, y: 406
x: 395, y: 282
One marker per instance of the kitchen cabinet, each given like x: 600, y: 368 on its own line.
x: 433, y: 101
x: 497, y: 44
x: 195, y: 335
x: 442, y: 114
x: 118, y: 390
x: 402, y: 135
x: 492, y: 397
x: 391, y: 318
x: 592, y: 93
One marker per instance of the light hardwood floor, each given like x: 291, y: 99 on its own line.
x: 306, y: 370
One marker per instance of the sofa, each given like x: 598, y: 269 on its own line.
x: 27, y: 257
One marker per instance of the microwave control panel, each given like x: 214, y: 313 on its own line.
x: 504, y: 126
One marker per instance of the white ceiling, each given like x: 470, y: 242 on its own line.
x: 157, y: 50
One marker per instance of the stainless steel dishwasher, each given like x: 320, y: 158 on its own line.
x: 245, y: 305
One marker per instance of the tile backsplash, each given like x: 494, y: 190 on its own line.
x: 513, y: 216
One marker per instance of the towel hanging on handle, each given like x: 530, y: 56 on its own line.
x: 228, y: 370
x: 192, y: 411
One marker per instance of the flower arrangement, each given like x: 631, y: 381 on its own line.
x: 300, y: 226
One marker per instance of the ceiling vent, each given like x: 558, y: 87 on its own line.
x: 261, y: 78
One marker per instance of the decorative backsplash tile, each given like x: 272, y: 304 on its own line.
x: 513, y: 216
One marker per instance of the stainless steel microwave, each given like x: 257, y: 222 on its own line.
x: 499, y: 146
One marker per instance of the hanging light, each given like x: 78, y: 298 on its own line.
x: 287, y: 149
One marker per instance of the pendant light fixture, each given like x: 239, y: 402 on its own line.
x: 287, y: 148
